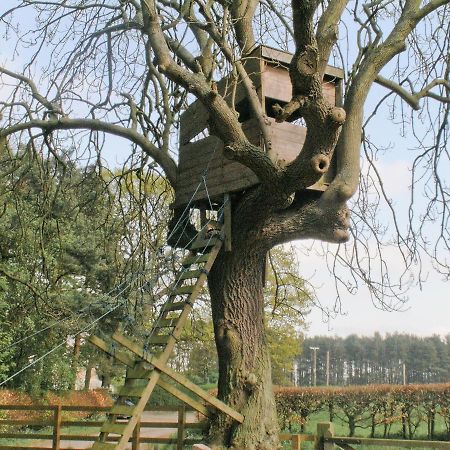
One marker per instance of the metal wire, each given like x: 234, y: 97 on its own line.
x: 91, y: 325
x: 64, y: 342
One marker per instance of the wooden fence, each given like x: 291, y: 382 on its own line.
x: 56, y: 421
x: 325, y: 439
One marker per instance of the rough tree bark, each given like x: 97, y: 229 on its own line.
x: 237, y: 302
x: 236, y: 290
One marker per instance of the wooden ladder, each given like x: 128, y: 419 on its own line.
x: 145, y: 364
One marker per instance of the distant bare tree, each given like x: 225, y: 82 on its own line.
x: 127, y: 68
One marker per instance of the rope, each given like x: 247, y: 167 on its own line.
x: 203, y: 177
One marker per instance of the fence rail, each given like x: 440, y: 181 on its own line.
x: 178, y: 438
x: 325, y: 439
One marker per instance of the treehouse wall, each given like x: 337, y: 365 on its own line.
x: 268, y: 69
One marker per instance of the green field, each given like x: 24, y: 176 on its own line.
x: 341, y: 429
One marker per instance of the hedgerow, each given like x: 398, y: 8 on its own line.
x: 377, y: 407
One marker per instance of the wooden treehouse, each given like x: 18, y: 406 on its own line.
x: 147, y: 358
x: 269, y: 71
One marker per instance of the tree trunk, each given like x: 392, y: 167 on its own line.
x: 76, y: 359
x: 236, y: 288
x: 404, y: 414
x: 88, y: 376
x: 351, y: 425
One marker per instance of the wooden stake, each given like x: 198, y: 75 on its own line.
x: 136, y: 443
x: 57, y: 428
x: 181, y: 426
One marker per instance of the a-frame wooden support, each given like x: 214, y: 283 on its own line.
x: 146, y: 365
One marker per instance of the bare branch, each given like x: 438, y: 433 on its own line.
x: 51, y: 107
x: 64, y: 123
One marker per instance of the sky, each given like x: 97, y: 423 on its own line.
x: 427, y: 311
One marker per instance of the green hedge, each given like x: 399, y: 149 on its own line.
x: 374, y: 406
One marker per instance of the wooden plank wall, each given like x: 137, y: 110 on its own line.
x: 277, y: 84
x: 268, y: 70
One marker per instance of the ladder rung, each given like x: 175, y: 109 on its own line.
x: 203, y: 243
x: 176, y: 306
x: 103, y: 446
x: 190, y: 274
x: 182, y: 290
x: 158, y: 339
x: 116, y: 428
x: 195, y: 259
x: 131, y: 391
x: 122, y: 410
x: 164, y: 323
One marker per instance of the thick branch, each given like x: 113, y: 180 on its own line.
x: 323, y: 120
x: 242, y: 12
x: 224, y: 120
x: 160, y: 157
x: 306, y: 218
x: 346, y: 182
x: 327, y: 31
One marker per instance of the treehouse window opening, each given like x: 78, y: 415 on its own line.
x: 244, y: 110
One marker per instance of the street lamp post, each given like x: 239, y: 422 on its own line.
x: 328, y: 368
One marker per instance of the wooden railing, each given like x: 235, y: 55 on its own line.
x: 325, y: 439
x: 56, y: 421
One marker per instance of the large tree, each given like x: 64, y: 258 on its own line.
x: 126, y: 68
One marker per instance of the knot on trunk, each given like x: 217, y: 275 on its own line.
x: 250, y: 381
x: 320, y: 163
x: 337, y: 115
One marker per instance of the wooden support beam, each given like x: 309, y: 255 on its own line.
x: 395, y: 443
x: 117, y: 354
x: 171, y: 389
x: 139, y: 351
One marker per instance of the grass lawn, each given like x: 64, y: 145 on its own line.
x: 74, y: 430
x: 341, y: 429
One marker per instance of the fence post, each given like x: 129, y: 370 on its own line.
x: 57, y: 427
x: 136, y: 442
x: 296, y: 442
x: 181, y: 426
x: 324, y: 430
